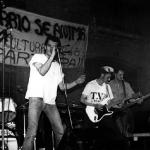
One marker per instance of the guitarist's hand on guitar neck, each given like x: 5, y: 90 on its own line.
x: 137, y: 96
x: 119, y: 103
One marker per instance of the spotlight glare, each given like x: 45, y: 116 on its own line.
x: 2, y: 4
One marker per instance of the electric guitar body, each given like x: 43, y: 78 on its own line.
x: 96, y: 115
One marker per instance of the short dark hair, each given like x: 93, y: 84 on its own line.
x: 54, y: 39
x: 118, y: 69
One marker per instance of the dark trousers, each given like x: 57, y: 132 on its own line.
x: 125, y: 123
x: 106, y: 130
x: 107, y: 123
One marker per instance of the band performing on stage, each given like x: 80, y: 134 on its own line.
x: 46, y: 121
x: 58, y: 93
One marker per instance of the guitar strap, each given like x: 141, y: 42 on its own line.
x: 124, y: 90
x: 107, y: 90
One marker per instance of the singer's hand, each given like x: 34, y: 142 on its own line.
x: 53, y: 52
x: 81, y: 79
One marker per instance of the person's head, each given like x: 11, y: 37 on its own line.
x: 50, y: 42
x: 119, y: 73
x: 105, y: 73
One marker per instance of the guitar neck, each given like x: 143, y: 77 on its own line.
x: 118, y: 102
x: 128, y: 105
x: 134, y: 102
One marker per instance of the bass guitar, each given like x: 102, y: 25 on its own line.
x: 119, y: 112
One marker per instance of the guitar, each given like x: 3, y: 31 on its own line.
x: 95, y: 115
x: 119, y: 112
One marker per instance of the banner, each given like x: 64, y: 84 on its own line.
x: 26, y: 34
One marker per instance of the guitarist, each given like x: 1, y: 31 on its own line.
x: 94, y: 95
x: 122, y: 90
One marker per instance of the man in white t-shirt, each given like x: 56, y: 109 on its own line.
x: 96, y: 95
x: 45, y: 77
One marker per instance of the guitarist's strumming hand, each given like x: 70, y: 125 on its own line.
x: 120, y: 105
x: 99, y: 107
x: 140, y: 95
x: 115, y: 103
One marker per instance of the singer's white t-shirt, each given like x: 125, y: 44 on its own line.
x: 44, y: 86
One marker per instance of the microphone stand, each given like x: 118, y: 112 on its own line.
x: 5, y: 35
x: 24, y: 121
x: 65, y: 90
x: 23, y: 107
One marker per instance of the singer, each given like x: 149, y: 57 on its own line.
x: 122, y: 90
x: 45, y: 77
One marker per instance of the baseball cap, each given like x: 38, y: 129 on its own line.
x: 107, y: 69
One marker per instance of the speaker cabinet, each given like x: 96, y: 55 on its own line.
x: 142, y: 122
x: 10, y: 143
x: 91, y: 139
x: 140, y: 143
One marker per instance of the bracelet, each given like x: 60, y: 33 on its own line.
x: 75, y: 82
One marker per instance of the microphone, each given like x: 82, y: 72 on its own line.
x: 65, y: 52
x: 61, y: 47
x: 5, y: 30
